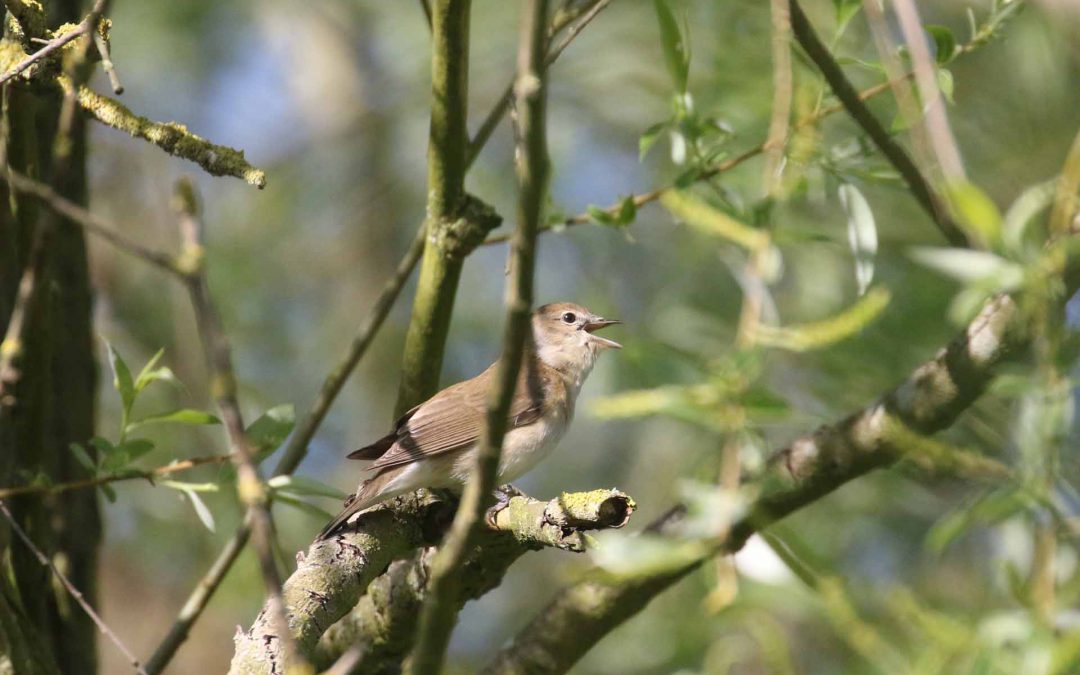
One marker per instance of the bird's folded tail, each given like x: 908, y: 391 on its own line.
x: 369, y: 494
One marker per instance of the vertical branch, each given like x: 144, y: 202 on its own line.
x: 249, y: 486
x: 781, y: 104
x: 437, y: 613
x: 440, y: 268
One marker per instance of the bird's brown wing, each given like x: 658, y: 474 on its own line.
x: 379, y: 447
x: 453, y: 419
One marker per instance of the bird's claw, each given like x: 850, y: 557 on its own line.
x: 503, y: 495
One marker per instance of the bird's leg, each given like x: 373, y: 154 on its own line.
x: 503, y: 495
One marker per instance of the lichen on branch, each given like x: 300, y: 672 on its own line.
x: 333, y: 575
x: 172, y: 137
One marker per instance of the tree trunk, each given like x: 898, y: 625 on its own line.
x: 53, y: 401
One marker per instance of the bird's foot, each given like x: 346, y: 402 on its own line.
x: 503, y: 495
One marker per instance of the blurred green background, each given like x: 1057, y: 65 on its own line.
x: 331, y: 98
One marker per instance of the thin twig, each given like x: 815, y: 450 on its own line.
x: 74, y: 592
x: 78, y: 215
x: 437, y: 612
x: 502, y: 104
x: 84, y: 28
x: 713, y: 171
x: 892, y: 150
x: 107, y: 63
x: 250, y: 487
x: 131, y: 474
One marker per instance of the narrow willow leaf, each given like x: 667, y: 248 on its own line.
x: 624, y: 555
x: 136, y: 448
x: 969, y: 266
x: 862, y: 234
x: 83, y: 457
x: 845, y: 12
x: 303, y: 486
x: 978, y: 215
x: 944, y: 42
x: 272, y: 428
x: 671, y: 39
x: 946, y: 85
x: 122, y: 381
x: 1022, y: 212
x: 300, y: 504
x: 146, y: 375
x: 712, y: 221
x: 182, y: 416
x: 829, y: 331
x: 201, y: 510
x: 648, y: 139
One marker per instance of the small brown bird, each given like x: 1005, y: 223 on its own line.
x: 434, y: 445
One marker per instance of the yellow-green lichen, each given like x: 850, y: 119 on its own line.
x: 172, y: 137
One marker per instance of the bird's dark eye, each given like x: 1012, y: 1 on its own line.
x: 569, y: 317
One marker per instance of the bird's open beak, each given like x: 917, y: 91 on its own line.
x: 595, y: 324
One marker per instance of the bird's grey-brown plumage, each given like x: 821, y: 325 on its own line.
x: 427, y: 444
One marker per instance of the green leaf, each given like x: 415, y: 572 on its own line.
x: 303, y: 486
x: 648, y: 139
x: 181, y: 416
x: 945, y: 84
x: 944, y: 42
x: 136, y: 448
x: 103, y: 445
x: 820, y: 334
x: 599, y: 215
x: 625, y: 555
x: 83, y: 457
x: 306, y: 507
x: 122, y: 381
x: 978, y: 215
x: 845, y: 12
x: 201, y: 510
x: 862, y: 234
x: 1023, y: 211
x: 271, y: 429
x: 671, y: 39
x: 970, y: 267
x: 148, y: 374
x: 627, y: 211
x: 109, y: 492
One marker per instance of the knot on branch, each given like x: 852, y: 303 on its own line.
x: 559, y: 523
x: 457, y: 237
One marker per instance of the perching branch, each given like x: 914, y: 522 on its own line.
x: 437, y: 616
x: 380, y: 630
x: 334, y: 573
x: 294, y: 453
x: 834, y: 75
x: 930, y: 399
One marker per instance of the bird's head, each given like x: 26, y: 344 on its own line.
x: 566, y: 339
